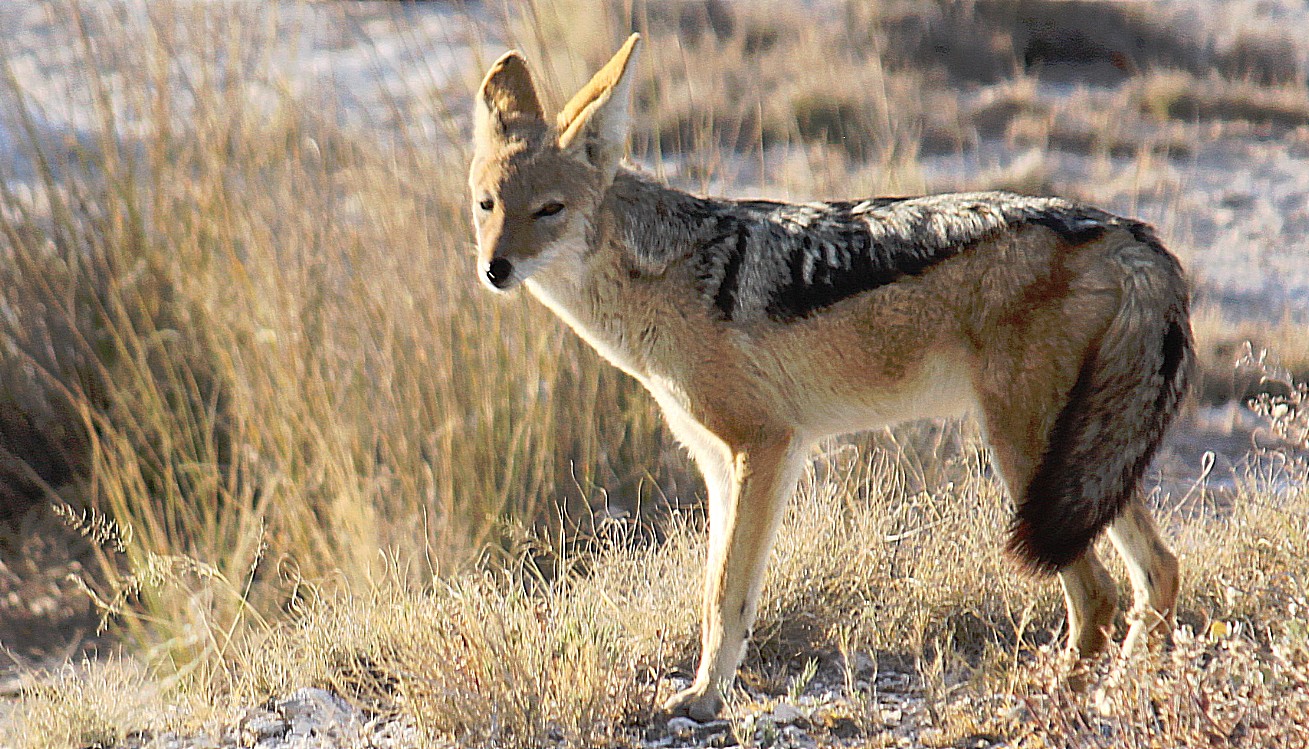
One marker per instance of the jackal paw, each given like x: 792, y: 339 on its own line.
x: 1072, y: 671
x: 1149, y: 630
x: 699, y: 702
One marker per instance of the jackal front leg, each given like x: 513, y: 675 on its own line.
x: 742, y: 522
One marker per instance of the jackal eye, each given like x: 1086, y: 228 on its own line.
x: 486, y: 204
x: 549, y: 209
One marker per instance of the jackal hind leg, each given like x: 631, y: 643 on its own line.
x: 742, y: 522
x: 1092, y: 600
x: 1153, y: 570
x: 1016, y: 413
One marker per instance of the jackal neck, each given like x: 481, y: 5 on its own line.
x: 657, y: 225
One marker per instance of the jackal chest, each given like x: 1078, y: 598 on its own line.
x: 625, y: 329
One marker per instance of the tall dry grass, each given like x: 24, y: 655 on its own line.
x: 250, y: 338
x: 263, y: 337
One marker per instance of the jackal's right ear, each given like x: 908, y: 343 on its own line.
x: 506, y: 98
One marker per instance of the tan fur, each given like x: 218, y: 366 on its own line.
x: 1153, y: 570
x: 1003, y: 328
x: 609, y: 82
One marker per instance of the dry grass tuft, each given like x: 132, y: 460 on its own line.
x: 1222, y: 345
x: 96, y: 703
x: 1191, y: 98
x: 479, y: 660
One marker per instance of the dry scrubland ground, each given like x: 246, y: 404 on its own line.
x: 295, y: 445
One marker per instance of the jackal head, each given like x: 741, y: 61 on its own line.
x: 537, y: 186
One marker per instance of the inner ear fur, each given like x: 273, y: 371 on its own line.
x: 596, y: 118
x: 508, y: 95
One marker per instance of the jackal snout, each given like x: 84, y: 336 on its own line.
x: 515, y: 243
x: 499, y: 273
x: 496, y: 253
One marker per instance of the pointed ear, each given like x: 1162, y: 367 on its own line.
x: 594, y: 123
x: 506, y: 97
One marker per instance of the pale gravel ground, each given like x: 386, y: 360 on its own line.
x: 1236, y: 209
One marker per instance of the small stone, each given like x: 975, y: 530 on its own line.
x: 724, y: 740
x: 893, y: 681
x: 319, y: 704
x: 765, y: 730
x: 316, y: 712
x: 263, y: 724
x: 682, y: 728
x: 715, y: 733
x: 794, y: 737
x: 863, y: 666
x: 845, y: 728
x: 786, y: 714
x: 392, y: 731
x: 137, y: 739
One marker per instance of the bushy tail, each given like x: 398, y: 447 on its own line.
x: 1129, y: 388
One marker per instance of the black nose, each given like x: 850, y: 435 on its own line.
x: 499, y: 271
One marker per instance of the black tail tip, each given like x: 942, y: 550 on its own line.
x: 1044, y: 553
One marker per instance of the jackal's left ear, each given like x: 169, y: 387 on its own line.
x: 506, y: 98
x: 594, y: 123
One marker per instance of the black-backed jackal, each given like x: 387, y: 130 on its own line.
x: 761, y: 327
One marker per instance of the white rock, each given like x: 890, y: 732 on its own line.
x: 315, y: 712
x: 392, y: 733
x: 262, y: 724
